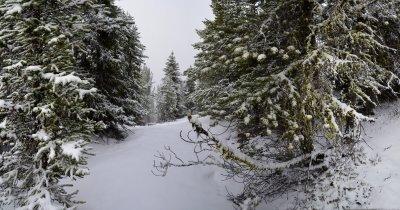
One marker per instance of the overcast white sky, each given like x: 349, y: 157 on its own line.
x: 166, y: 26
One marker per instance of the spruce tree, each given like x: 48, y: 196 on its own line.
x: 300, y: 74
x: 170, y: 102
x: 189, y: 88
x: 167, y: 100
x: 69, y: 70
x: 46, y: 124
x: 219, y: 62
x: 148, y: 94
x: 321, y: 69
x: 114, y: 55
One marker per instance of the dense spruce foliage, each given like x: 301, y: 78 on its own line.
x: 114, y: 55
x: 301, y: 75
x: 69, y: 70
x: 273, y: 65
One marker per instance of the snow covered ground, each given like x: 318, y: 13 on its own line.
x: 122, y: 179
x: 383, y: 137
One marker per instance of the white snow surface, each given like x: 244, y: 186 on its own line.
x: 121, y: 175
x: 5, y: 104
x: 384, y: 139
x: 33, y: 68
x: 261, y: 57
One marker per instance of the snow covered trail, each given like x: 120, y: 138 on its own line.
x: 122, y: 180
x: 121, y: 177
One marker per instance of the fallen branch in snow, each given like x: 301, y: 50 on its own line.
x: 263, y: 179
x: 171, y: 159
x: 206, y: 142
x: 235, y: 155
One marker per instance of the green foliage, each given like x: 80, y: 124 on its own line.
x: 46, y: 124
x: 300, y: 74
x: 68, y: 71
x: 273, y: 66
x: 114, y: 57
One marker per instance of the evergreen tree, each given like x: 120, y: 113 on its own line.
x: 46, y: 124
x: 114, y: 56
x: 148, y: 102
x: 69, y: 70
x: 189, y: 88
x: 302, y: 74
x: 219, y: 62
x: 167, y: 100
x: 153, y: 106
x: 170, y: 101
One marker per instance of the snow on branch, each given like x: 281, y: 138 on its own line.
x: 239, y: 157
x: 16, y: 8
x: 3, y: 124
x: 73, y: 149
x: 41, y: 135
x: 14, y: 66
x: 83, y: 92
x: 63, y: 79
x: 348, y: 110
x: 33, y: 68
x: 5, y: 104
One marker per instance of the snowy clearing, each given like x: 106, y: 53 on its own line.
x: 122, y: 178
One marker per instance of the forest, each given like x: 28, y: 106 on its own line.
x: 293, y: 103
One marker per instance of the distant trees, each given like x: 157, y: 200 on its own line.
x: 149, y: 103
x: 69, y: 70
x: 169, y: 94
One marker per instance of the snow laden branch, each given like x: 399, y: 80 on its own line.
x: 207, y: 142
x: 308, y: 173
x: 235, y: 155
